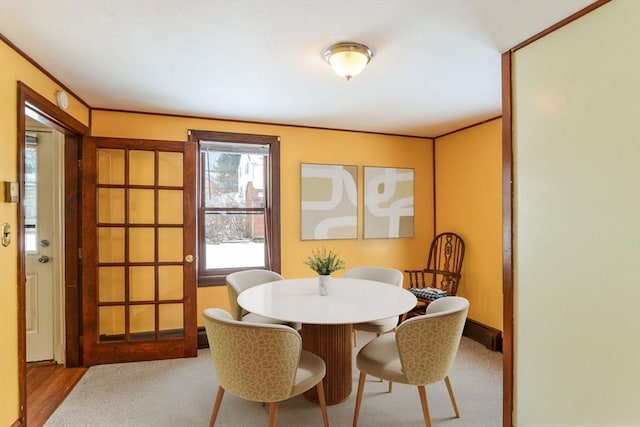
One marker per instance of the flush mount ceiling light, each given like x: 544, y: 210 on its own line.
x: 348, y: 58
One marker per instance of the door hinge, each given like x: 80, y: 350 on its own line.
x: 79, y: 253
x: 80, y: 164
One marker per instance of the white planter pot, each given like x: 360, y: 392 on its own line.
x: 323, y: 284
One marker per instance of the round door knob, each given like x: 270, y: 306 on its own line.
x: 43, y: 259
x: 189, y: 258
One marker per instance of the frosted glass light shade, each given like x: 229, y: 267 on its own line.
x: 348, y: 58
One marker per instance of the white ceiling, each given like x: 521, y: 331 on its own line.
x: 436, y: 64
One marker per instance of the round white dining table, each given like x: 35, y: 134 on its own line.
x: 327, y: 319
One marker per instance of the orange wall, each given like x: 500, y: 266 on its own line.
x: 307, y: 145
x: 469, y: 203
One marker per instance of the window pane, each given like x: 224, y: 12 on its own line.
x: 235, y: 255
x: 111, y: 205
x: 170, y: 282
x: 142, y: 245
x: 143, y: 323
x: 110, y: 322
x: 171, y: 318
x: 110, y: 284
x: 141, y: 167
x: 233, y: 180
x: 141, y: 206
x: 170, y: 244
x: 30, y: 197
x: 234, y: 240
x: 110, y: 244
x: 170, y: 169
x: 110, y: 166
x: 170, y: 207
x: 142, y: 283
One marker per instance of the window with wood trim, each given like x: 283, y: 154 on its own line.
x: 238, y: 204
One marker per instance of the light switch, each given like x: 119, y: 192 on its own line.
x: 10, y: 192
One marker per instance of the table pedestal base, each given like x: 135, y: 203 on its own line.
x: 333, y: 343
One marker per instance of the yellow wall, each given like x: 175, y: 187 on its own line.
x: 306, y: 145
x: 469, y: 203
x: 577, y: 222
x: 14, y: 68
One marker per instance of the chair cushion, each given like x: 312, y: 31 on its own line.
x: 256, y: 318
x: 311, y: 370
x: 378, y: 326
x: 428, y: 293
x: 381, y: 359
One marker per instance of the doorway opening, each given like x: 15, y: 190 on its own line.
x: 47, y: 237
x: 43, y: 243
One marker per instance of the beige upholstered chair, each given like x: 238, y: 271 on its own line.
x: 243, y: 280
x: 260, y: 362
x: 380, y: 274
x: 420, y: 352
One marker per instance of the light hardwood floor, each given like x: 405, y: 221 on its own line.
x: 47, y: 386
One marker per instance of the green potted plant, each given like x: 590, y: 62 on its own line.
x: 324, y: 262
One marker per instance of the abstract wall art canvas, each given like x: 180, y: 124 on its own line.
x: 329, y: 201
x: 388, y: 202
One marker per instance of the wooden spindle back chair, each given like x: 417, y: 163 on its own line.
x: 443, y: 272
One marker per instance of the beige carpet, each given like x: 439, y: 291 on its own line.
x: 181, y: 392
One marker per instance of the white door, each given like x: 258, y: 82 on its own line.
x: 43, y: 253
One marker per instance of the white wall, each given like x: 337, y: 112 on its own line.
x: 576, y: 105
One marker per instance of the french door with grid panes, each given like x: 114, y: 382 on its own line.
x: 139, y: 274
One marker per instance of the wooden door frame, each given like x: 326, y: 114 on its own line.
x: 74, y: 131
x: 508, y: 211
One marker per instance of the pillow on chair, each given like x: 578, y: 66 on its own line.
x: 428, y: 293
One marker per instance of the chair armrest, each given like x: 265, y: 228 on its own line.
x: 416, y: 278
x: 442, y: 273
x: 426, y: 278
x: 448, y: 280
